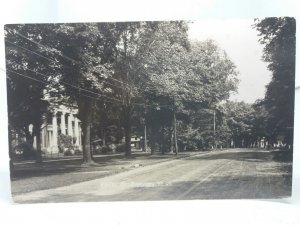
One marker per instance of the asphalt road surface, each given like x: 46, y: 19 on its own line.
x: 226, y: 174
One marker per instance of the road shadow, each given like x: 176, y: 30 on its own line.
x: 249, y: 155
x: 28, y: 170
x: 22, y: 171
x: 242, y: 187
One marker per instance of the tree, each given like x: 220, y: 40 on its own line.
x: 89, y: 51
x: 126, y: 71
x: 187, y: 77
x: 162, y: 53
x: 80, y: 58
x: 211, y: 79
x: 278, y: 37
x: 140, y: 46
x: 261, y: 126
x: 25, y: 85
x: 239, y: 117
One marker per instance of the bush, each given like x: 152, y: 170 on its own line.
x: 105, y: 150
x: 27, y: 150
x: 69, y: 152
x: 77, y: 150
x: 96, y: 149
x: 102, y: 150
x: 120, y: 148
x: 113, y: 147
x: 65, y: 142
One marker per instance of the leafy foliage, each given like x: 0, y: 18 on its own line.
x: 65, y: 142
x: 278, y: 37
x: 124, y: 77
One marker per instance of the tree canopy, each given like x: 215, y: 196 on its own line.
x: 279, y: 40
x: 147, y: 79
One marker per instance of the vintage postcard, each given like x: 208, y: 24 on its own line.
x: 151, y: 110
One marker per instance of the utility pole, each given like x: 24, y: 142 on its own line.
x: 214, y: 128
x: 145, y: 130
x: 175, y: 130
x: 145, y: 137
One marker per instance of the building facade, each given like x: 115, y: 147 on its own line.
x: 62, y: 120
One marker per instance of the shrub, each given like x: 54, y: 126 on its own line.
x: 102, y: 150
x: 96, y: 149
x: 27, y: 150
x: 112, y: 146
x: 105, y: 150
x: 77, y: 151
x: 69, y: 152
x: 65, y: 142
x: 120, y: 148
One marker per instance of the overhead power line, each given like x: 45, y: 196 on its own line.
x: 28, y: 77
x: 73, y: 86
x: 57, y: 51
x: 33, y: 52
x: 70, y: 59
x: 39, y: 44
x: 112, y: 100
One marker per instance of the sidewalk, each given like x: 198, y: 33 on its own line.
x: 65, y: 158
x: 61, y: 157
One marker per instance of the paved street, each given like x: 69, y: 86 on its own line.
x: 226, y: 174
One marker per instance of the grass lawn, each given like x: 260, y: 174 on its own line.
x: 29, y: 177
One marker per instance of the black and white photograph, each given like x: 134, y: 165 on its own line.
x: 151, y: 110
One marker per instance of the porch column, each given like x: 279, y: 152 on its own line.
x: 70, y: 129
x: 63, y: 123
x: 54, y: 133
x: 76, y: 128
x: 80, y: 141
x: 43, y: 138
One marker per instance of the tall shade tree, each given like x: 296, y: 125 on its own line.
x: 163, y: 55
x: 239, y: 117
x: 279, y: 40
x: 125, y: 68
x: 181, y: 75
x: 88, y: 50
x: 194, y: 77
x: 141, y: 49
x: 71, y: 61
x: 29, y: 69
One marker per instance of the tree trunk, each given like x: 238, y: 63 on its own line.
x: 87, y: 155
x: 10, y: 149
x: 86, y: 121
x: 37, y: 129
x: 103, y: 137
x: 175, y: 134
x: 152, y: 143
x: 86, y: 140
x: 172, y: 140
x: 28, y: 136
x: 163, y: 141
x: 127, y: 130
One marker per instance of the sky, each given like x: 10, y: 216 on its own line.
x: 240, y: 42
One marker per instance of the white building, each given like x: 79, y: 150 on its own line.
x: 62, y: 120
